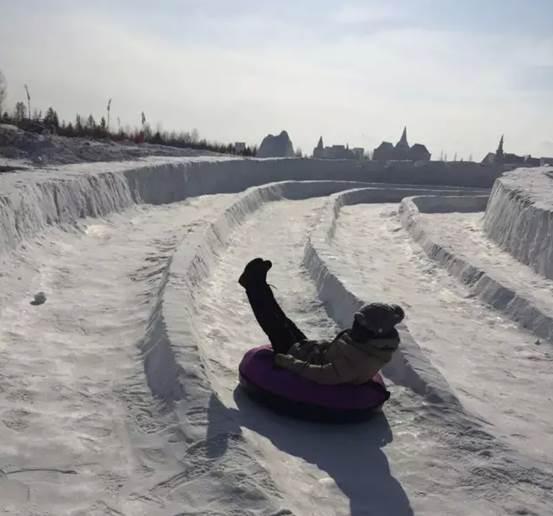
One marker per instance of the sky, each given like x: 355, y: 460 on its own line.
x: 458, y: 74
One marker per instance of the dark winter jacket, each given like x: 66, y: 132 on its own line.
x: 343, y: 360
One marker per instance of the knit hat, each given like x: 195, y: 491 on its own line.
x: 379, y: 318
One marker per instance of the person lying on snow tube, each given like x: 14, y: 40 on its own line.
x: 354, y: 356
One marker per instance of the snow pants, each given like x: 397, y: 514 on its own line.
x: 282, y: 332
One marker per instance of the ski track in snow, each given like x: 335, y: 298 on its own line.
x: 81, y: 434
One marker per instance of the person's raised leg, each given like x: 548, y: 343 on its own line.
x: 282, y: 332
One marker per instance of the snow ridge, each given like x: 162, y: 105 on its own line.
x: 31, y: 201
x: 504, y: 299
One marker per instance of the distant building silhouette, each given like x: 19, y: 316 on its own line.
x: 337, y: 151
x: 276, y: 146
x: 386, y: 151
x: 506, y: 158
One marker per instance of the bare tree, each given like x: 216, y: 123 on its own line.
x: 19, y: 112
x: 28, y: 100
x: 3, y: 91
x: 108, y: 109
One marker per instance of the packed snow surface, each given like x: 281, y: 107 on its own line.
x: 118, y: 394
x: 72, y: 383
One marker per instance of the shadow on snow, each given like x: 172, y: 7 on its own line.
x: 350, y: 454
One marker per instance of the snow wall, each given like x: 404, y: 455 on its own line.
x: 32, y: 201
x: 539, y: 319
x: 519, y: 217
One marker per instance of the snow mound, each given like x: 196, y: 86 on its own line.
x: 519, y: 217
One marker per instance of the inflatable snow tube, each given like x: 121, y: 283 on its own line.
x: 289, y: 393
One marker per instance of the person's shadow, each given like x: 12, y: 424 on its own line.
x: 350, y: 454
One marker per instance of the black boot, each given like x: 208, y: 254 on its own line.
x: 255, y: 273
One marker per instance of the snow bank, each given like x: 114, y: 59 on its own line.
x: 513, y: 304
x: 32, y: 200
x: 519, y: 217
x: 409, y: 367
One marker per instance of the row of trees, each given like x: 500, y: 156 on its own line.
x: 89, y: 127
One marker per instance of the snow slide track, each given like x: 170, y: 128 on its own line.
x: 173, y: 364
x: 504, y: 299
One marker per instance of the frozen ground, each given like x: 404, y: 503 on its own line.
x: 146, y: 300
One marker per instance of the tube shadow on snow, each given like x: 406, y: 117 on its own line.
x: 351, y: 455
